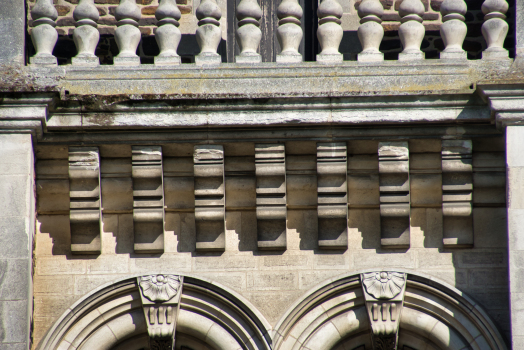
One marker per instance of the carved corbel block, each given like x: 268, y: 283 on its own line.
x: 85, y: 204
x: 384, y: 295
x: 332, y: 195
x: 148, y: 199
x: 270, y: 163
x: 160, y: 296
x: 210, y: 198
x: 457, y: 193
x: 393, y: 165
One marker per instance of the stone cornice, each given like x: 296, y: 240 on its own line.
x: 506, y: 101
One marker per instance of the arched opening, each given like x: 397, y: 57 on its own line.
x: 331, y: 316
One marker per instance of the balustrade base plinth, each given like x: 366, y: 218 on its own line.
x: 248, y: 59
x: 43, y: 60
x: 85, y: 61
x: 499, y: 54
x: 289, y: 58
x: 126, y: 61
x: 370, y: 57
x: 208, y: 59
x: 411, y: 56
x: 330, y: 59
x: 167, y: 60
x: 454, y: 55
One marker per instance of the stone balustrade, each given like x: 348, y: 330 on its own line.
x: 250, y: 17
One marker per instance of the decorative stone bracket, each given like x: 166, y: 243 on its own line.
x: 160, y: 296
x: 384, y: 295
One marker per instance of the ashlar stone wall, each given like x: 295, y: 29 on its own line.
x: 271, y: 280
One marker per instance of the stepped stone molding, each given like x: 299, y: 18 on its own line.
x: 85, y: 200
x: 457, y: 193
x: 330, y: 31
x: 148, y: 199
x: 248, y: 33
x: 411, y: 31
x: 270, y: 165
x: 210, y: 197
x: 393, y: 164
x: 86, y: 35
x: 208, y: 34
x: 384, y: 295
x: 495, y: 29
x: 160, y: 295
x: 453, y: 29
x: 167, y: 34
x: 332, y: 197
x: 289, y: 31
x: 44, y: 34
x: 370, y: 32
x: 127, y: 34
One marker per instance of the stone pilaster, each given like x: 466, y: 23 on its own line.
x: 12, y: 33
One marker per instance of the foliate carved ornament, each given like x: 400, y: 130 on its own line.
x: 384, y: 295
x: 160, y: 296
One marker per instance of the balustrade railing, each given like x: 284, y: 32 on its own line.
x: 86, y: 36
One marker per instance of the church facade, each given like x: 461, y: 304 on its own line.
x: 219, y: 175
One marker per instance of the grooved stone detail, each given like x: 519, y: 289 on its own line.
x: 148, y: 199
x: 393, y: 165
x: 270, y: 163
x: 457, y: 193
x: 332, y: 195
x: 85, y: 200
x: 210, y: 197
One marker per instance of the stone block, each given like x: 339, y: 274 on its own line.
x: 15, y: 279
x: 180, y: 232
x: 483, y: 259
x: 302, y: 228
x: 15, y: 324
x: 52, y: 305
x: 300, y: 147
x: 364, y: 228
x: 425, y: 146
x: 273, y: 304
x: 488, y: 278
x: 13, y: 32
x: 241, y: 192
x: 51, y: 152
x: 61, y: 285
x: 16, y: 192
x: 272, y: 280
x: 179, y: 192
x: 59, y: 266
x: 301, y: 190
x: 52, y: 196
x: 363, y: 191
x: 164, y: 264
x: 234, y: 280
x: 426, y: 226
x: 53, y: 235
x: 428, y: 259
x: 86, y: 283
x: 368, y: 260
x: 329, y: 261
x: 14, y: 346
x: 490, y: 228
x: 108, y: 264
x: 117, y: 194
x: 15, y: 237
x: 17, y: 155
x: 284, y: 262
x: 248, y: 59
x: 308, y: 279
x: 248, y: 236
x: 224, y: 262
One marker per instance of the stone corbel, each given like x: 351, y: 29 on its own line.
x: 160, y: 296
x: 506, y: 102
x: 384, y: 295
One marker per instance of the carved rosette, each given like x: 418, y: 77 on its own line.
x: 384, y: 295
x: 158, y: 288
x: 160, y: 296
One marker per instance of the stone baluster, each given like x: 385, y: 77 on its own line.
x: 127, y: 35
x: 289, y: 32
x: 208, y: 34
x: 249, y: 34
x: 453, y: 29
x: 329, y: 31
x: 370, y: 31
x: 86, y: 35
x: 44, y: 34
x: 411, y: 30
x: 168, y: 35
x: 495, y: 29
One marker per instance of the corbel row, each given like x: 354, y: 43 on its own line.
x: 206, y: 178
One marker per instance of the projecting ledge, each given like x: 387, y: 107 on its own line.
x: 267, y: 80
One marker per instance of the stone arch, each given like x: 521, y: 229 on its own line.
x: 435, y: 315
x: 211, y: 317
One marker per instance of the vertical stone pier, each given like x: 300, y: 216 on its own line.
x: 17, y: 222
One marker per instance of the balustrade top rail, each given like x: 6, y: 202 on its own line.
x: 289, y: 32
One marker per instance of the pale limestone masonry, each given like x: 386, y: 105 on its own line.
x: 339, y: 205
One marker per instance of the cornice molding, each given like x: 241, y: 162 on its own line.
x: 506, y: 102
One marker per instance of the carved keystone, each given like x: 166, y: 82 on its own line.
x: 384, y: 295
x: 160, y: 296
